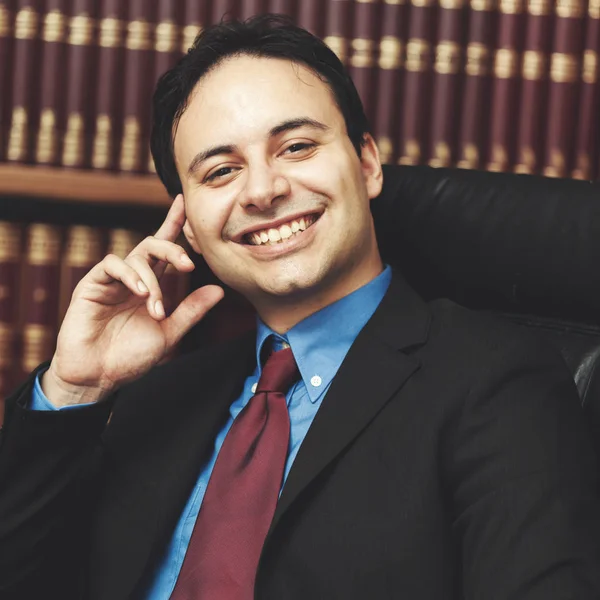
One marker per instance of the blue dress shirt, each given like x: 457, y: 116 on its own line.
x: 319, y: 343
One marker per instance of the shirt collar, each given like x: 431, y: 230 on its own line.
x: 321, y: 341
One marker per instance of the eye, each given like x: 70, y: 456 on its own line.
x: 298, y: 147
x: 222, y: 172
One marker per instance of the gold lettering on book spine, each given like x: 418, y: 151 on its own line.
x: 386, y: 149
x: 17, y: 139
x: 167, y: 34
x: 511, y: 7
x: 10, y: 242
x: 447, y: 58
x: 84, y: 246
x: 37, y: 344
x: 395, y: 2
x: 102, y: 150
x: 390, y: 52
x: 482, y: 5
x: 422, y: 3
x: 55, y: 27
x: 412, y: 153
x: 570, y: 9
x: 418, y: 55
x: 122, y: 241
x: 539, y: 8
x: 138, y: 35
x: 81, y: 31
x: 590, y: 67
x: 594, y: 9
x: 556, y: 168
x: 470, y: 158
x: 362, y: 53
x: 564, y: 68
x: 478, y: 57
x: 189, y: 34
x: 339, y: 45
x: 130, y: 146
x: 43, y: 244
x: 582, y: 169
x: 499, y: 160
x: 73, y: 143
x: 26, y: 24
x: 442, y: 155
x: 452, y: 4
x: 506, y: 63
x: 47, y: 140
x: 4, y: 21
x: 7, y: 339
x: 534, y: 65
x: 111, y: 33
x: 527, y: 163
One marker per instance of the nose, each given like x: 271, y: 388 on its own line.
x: 265, y: 185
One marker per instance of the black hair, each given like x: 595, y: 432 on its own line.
x: 267, y: 35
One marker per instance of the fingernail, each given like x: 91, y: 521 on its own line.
x: 186, y: 260
x: 158, y: 307
x: 142, y: 287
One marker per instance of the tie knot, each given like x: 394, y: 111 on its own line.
x: 279, y: 372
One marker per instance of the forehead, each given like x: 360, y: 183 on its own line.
x: 245, y: 96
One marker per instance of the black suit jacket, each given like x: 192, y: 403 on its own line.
x: 449, y: 460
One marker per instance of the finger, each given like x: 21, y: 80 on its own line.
x: 162, y: 250
x: 112, y: 269
x: 154, y: 302
x: 190, y: 311
x: 174, y: 221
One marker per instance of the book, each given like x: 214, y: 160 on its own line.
x: 39, y: 295
x: 249, y: 8
x: 534, y: 76
x: 310, y: 17
x: 281, y: 7
x: 122, y: 241
x: 506, y: 82
x: 565, y: 65
x: 10, y: 258
x: 388, y: 99
x: 223, y: 10
x: 108, y: 114
x: 51, y: 119
x: 414, y: 132
x: 588, y: 128
x: 446, y: 83
x: 338, y: 27
x: 476, y: 86
x: 24, y: 85
x: 194, y: 16
x: 80, y: 89
x: 6, y: 62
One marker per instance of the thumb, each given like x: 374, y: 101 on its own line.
x: 190, y: 311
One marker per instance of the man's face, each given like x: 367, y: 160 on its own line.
x: 276, y: 198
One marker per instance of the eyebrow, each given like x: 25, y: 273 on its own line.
x: 288, y: 125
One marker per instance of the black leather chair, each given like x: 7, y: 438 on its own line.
x: 524, y: 247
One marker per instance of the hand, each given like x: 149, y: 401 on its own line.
x: 115, y: 328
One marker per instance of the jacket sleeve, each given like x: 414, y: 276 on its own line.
x: 524, y: 479
x: 47, y: 464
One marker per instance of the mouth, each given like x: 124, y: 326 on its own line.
x: 271, y: 236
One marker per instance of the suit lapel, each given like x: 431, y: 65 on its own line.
x: 373, y: 370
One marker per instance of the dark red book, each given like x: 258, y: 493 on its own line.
x: 446, y: 83
x: 80, y: 91
x: 534, y: 86
x: 25, y: 88
x: 506, y: 83
x: 138, y: 87
x: 51, y: 119
x: 6, y: 61
x: 565, y: 69
x: 122, y: 241
x: 282, y: 7
x: 39, y: 296
x: 390, y: 62
x: 108, y: 117
x: 223, y: 10
x: 10, y: 258
x: 193, y: 17
x: 338, y: 27
x: 588, y: 129
x: 250, y: 8
x: 414, y: 132
x: 476, y: 85
x: 363, y: 58
x: 311, y: 16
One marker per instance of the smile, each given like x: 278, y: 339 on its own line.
x: 272, y: 236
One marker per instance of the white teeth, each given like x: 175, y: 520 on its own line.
x: 264, y: 237
x: 302, y: 224
x: 295, y: 226
x: 285, y: 231
x: 274, y: 235
x: 256, y: 238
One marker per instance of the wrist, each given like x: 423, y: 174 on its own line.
x: 61, y: 393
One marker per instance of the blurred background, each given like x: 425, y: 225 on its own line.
x: 501, y: 85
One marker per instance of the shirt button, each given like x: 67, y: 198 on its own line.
x: 254, y: 388
x: 316, y: 381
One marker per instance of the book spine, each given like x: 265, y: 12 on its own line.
x: 250, y: 8
x: 476, y: 87
x: 390, y: 63
x: 83, y: 249
x: 417, y: 82
x: 446, y: 83
x: 194, y: 16
x: 223, y: 10
x: 588, y: 130
x: 26, y: 43
x: 281, y: 7
x: 565, y: 65
x: 138, y: 87
x: 505, y: 92
x: 6, y: 60
x: 80, y: 92
x: 338, y: 25
x: 310, y: 17
x: 111, y: 28
x: 534, y: 71
x: 166, y: 48
x: 122, y: 241
x: 362, y: 60
x: 10, y: 253
x: 51, y: 121
x: 40, y: 295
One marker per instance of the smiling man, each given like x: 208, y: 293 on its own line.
x: 360, y: 444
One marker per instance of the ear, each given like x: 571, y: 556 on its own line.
x: 190, y: 237
x: 371, y: 166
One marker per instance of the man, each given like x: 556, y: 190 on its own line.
x: 361, y: 444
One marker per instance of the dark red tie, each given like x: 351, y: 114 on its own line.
x: 242, y: 492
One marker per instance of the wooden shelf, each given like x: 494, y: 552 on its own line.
x: 80, y: 185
